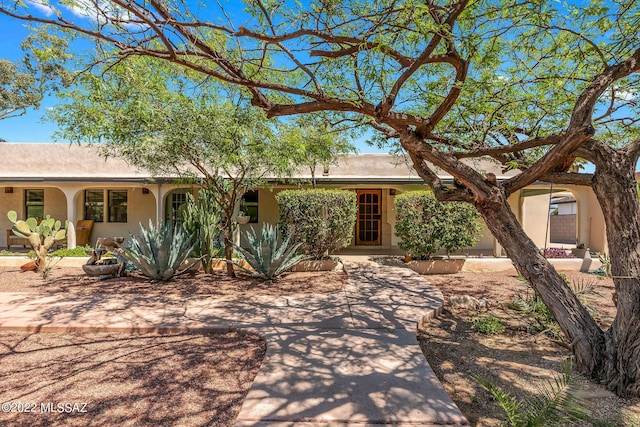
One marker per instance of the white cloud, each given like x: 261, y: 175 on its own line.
x: 626, y: 95
x: 42, y: 6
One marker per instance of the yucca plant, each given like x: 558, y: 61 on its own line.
x: 267, y: 254
x: 555, y: 405
x: 160, y: 253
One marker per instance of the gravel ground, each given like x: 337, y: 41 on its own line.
x: 12, y: 279
x: 135, y: 380
x: 518, y: 360
x: 111, y: 379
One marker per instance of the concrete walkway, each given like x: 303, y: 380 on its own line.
x: 347, y: 358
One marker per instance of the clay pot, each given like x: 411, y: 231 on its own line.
x: 30, y: 266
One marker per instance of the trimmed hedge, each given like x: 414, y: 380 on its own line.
x: 424, y: 225
x: 323, y: 220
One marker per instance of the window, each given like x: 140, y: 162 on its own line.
x: 117, y: 200
x: 94, y: 205
x: 249, y: 205
x: 176, y: 201
x: 34, y: 204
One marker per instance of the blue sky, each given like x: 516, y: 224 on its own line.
x: 32, y: 127
x: 27, y: 128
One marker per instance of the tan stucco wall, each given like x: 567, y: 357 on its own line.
x: 534, y: 214
x: 140, y: 207
x: 531, y: 211
x: 591, y: 227
x: 55, y: 204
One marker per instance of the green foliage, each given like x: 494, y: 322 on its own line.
x: 160, y: 253
x: 424, y: 225
x: 168, y: 121
x: 314, y: 142
x: 4, y: 252
x: 534, y: 307
x: 77, y: 252
x: 41, y: 236
x: 24, y: 84
x: 201, y: 218
x: 555, y: 405
x: 606, y: 263
x: 267, y: 255
x: 322, y: 220
x: 488, y: 325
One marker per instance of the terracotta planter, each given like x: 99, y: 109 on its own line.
x: 30, y: 266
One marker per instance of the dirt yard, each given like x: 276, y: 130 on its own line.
x: 78, y: 379
x: 125, y: 377
x: 521, y: 359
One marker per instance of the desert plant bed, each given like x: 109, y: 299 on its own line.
x: 519, y: 360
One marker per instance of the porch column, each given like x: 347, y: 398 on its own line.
x: 72, y: 215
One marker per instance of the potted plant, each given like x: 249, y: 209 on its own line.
x: 243, y: 218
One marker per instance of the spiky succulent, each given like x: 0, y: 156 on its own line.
x: 267, y: 254
x: 160, y: 253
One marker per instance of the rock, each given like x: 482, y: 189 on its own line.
x: 465, y: 302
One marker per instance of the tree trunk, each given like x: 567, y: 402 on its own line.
x: 228, y: 247
x: 615, y: 188
x: 586, y: 338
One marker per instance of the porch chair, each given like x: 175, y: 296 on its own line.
x: 83, y: 231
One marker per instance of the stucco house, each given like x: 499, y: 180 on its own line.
x: 72, y: 182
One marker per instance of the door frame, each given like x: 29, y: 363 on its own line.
x: 363, y: 219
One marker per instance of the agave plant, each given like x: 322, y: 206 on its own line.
x: 267, y: 254
x: 160, y: 253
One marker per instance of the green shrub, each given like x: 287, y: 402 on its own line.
x: 267, y: 255
x: 160, y: 253
x: 9, y: 253
x: 532, y: 305
x: 77, y: 252
x: 322, y: 220
x: 489, y: 325
x: 424, y: 225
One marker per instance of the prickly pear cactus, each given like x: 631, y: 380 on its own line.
x: 41, y: 236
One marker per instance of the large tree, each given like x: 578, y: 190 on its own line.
x: 24, y: 84
x: 532, y: 84
x: 168, y: 123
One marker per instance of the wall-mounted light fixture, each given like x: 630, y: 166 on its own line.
x: 145, y: 190
x: 393, y: 192
x: 8, y: 189
x: 325, y: 171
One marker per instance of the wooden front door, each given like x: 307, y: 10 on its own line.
x: 369, y: 223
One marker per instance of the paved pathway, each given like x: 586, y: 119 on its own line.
x: 348, y: 358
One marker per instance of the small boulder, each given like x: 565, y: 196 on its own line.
x: 464, y: 302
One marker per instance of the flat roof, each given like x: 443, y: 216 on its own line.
x: 64, y: 162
